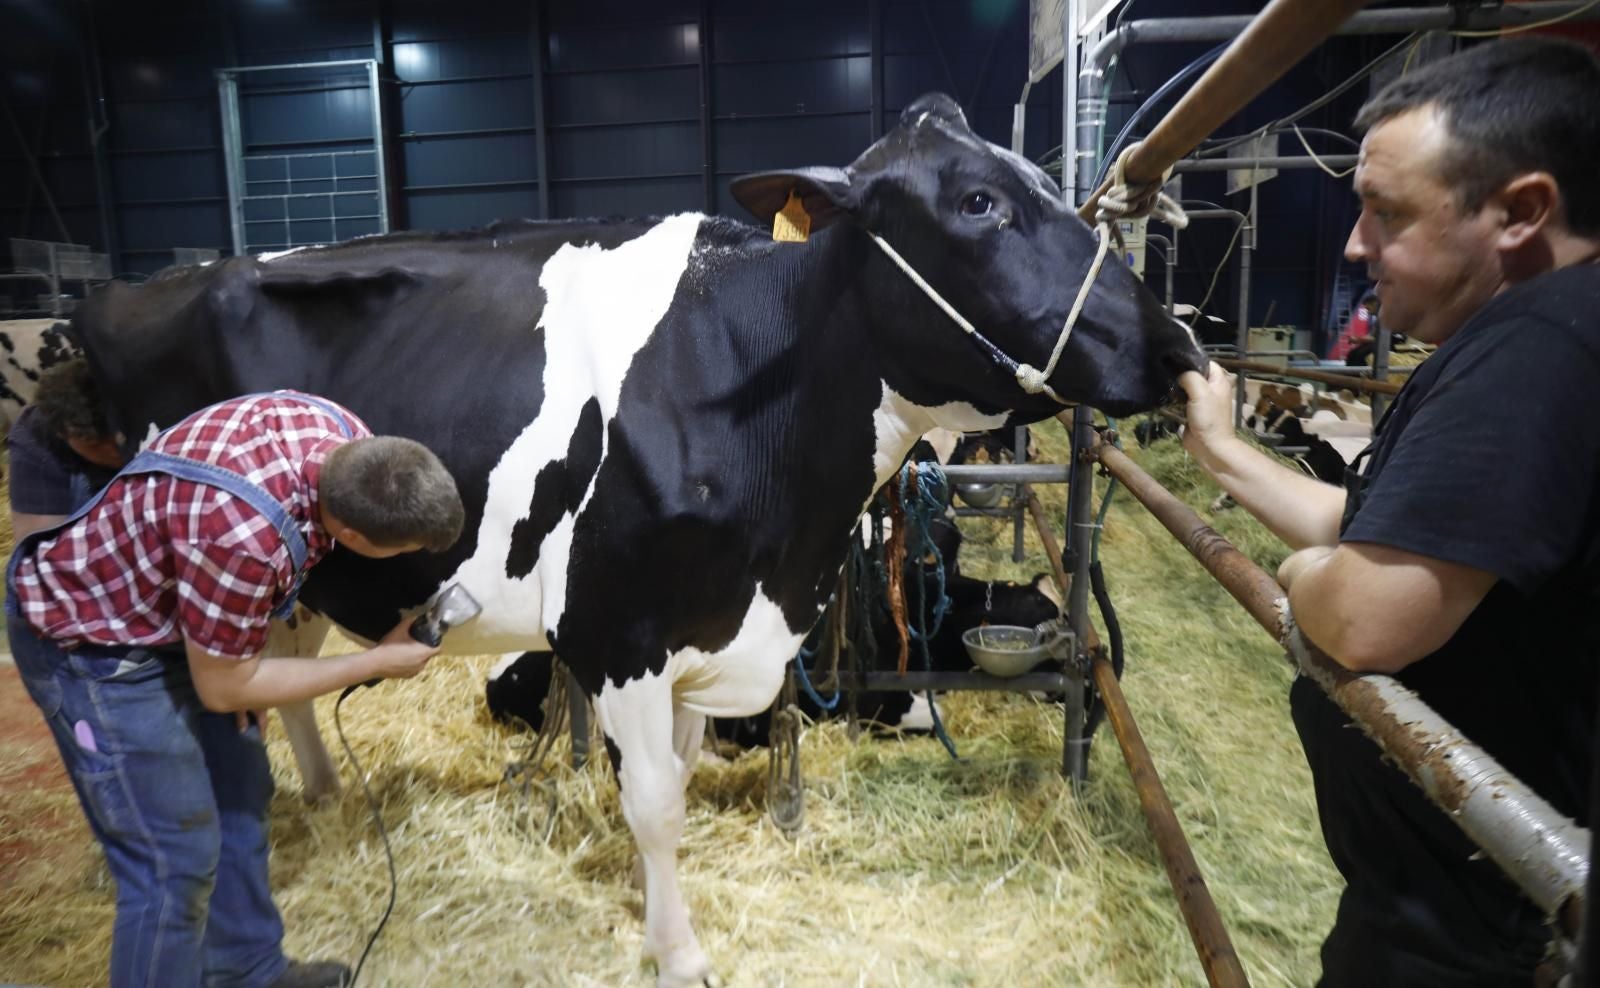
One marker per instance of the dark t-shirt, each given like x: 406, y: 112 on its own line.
x: 47, y: 478
x: 1487, y: 458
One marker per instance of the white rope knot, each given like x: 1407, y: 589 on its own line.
x: 1126, y: 201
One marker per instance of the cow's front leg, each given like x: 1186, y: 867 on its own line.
x: 319, y: 778
x: 638, y: 719
x: 304, y: 636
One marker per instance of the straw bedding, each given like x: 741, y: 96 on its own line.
x: 911, y: 869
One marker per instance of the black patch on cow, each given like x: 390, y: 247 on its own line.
x: 557, y: 491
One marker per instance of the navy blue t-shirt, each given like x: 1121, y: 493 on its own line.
x: 1489, y: 458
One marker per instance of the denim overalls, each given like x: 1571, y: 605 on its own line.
x: 176, y: 795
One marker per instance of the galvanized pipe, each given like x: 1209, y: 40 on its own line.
x: 1270, y: 44
x: 1206, y: 929
x: 1008, y: 473
x: 1380, y: 364
x: 1271, y: 161
x: 1092, y: 80
x: 917, y: 681
x: 1544, y: 853
x: 1397, y: 20
x: 1080, y: 522
x: 1325, y: 377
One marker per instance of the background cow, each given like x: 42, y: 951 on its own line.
x: 27, y: 347
x: 680, y: 414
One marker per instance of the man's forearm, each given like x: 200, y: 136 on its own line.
x: 277, y: 680
x: 1299, y: 509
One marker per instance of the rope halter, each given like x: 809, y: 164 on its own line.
x: 1121, y: 201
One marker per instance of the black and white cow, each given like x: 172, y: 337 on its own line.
x: 663, y: 430
x: 27, y: 347
x: 517, y: 686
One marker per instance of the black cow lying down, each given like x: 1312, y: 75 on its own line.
x: 517, y: 687
x: 663, y: 430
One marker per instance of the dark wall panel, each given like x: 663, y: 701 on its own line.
x: 470, y: 208
x: 627, y: 119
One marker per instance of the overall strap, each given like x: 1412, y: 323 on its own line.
x: 152, y: 461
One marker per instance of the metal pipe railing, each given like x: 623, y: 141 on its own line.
x: 1270, y: 44
x: 1199, y: 910
x: 1543, y: 852
x: 1210, y: 936
x: 1324, y: 377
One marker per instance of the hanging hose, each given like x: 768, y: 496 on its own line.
x: 1102, y: 597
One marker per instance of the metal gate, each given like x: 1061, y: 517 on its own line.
x: 295, y: 189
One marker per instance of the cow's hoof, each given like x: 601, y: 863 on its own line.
x: 687, y: 967
x: 321, y: 797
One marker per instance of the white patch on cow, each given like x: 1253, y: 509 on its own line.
x: 602, y: 305
x: 919, y: 717
x: 150, y: 433
x: 943, y: 441
x: 742, y: 677
x: 273, y: 255
x: 506, y: 662
x: 898, y: 424
x: 964, y: 417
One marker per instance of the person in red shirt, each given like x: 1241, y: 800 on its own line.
x: 138, y: 626
x: 1358, y: 329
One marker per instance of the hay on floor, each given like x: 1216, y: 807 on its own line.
x: 911, y: 869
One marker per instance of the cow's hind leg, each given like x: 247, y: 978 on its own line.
x: 638, y: 719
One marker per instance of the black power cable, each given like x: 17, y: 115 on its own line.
x: 377, y: 819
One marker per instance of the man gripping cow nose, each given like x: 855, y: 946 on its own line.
x: 138, y: 625
x: 1464, y: 556
x: 62, y: 450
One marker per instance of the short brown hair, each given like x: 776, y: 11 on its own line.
x: 394, y: 491
x: 69, y: 402
x: 1511, y: 107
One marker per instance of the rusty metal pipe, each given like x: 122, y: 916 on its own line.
x: 1250, y: 586
x: 1275, y: 40
x: 1210, y: 936
x: 1543, y: 852
x: 1323, y: 377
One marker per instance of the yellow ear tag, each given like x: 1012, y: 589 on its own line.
x: 791, y: 224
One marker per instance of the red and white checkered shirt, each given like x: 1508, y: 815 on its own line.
x: 161, y: 559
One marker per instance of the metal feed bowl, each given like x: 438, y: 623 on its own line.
x: 980, y: 495
x: 1006, y: 650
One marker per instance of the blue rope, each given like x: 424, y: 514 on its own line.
x: 800, y: 658
x: 932, y: 495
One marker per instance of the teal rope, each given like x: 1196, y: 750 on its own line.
x: 930, y: 500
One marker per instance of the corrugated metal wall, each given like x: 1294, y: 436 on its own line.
x: 645, y: 108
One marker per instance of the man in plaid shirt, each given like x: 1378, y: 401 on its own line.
x: 138, y: 627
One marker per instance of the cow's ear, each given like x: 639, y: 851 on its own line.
x: 827, y: 193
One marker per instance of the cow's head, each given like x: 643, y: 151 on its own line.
x: 989, y: 231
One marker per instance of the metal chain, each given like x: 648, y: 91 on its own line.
x: 531, y: 771
x: 786, y: 795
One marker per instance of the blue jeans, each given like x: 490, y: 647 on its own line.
x: 177, y: 797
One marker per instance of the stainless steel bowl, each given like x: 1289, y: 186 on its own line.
x: 1006, y: 650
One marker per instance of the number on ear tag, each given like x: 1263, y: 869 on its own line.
x: 791, y: 224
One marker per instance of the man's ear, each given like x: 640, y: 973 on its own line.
x: 826, y: 193
x: 1532, y: 202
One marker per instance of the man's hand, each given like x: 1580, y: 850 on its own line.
x: 1210, y: 411
x: 244, y: 718
x: 399, y: 656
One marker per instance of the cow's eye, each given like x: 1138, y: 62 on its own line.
x: 977, y: 204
